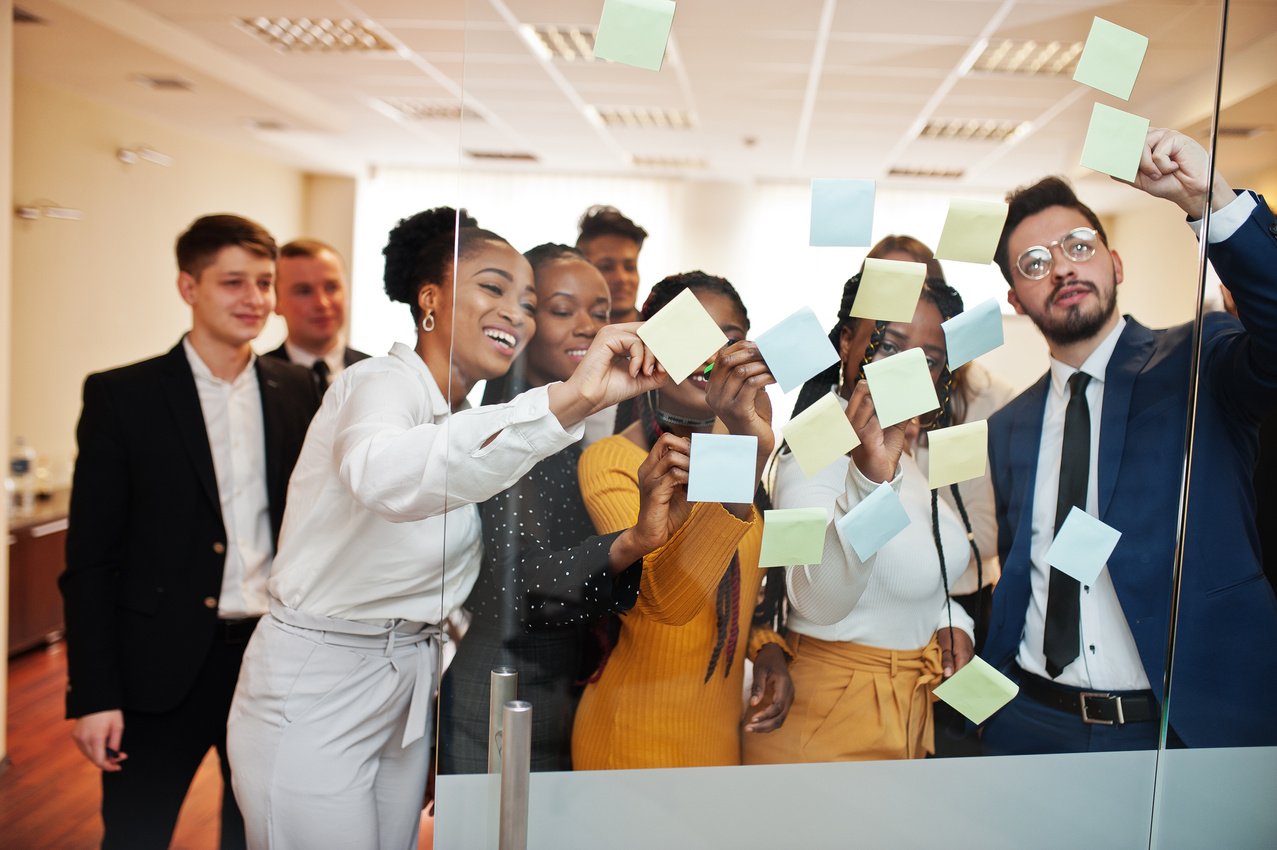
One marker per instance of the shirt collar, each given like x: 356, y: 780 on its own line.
x: 201, y: 371
x: 438, y: 404
x: 1095, y: 365
x: 335, y: 358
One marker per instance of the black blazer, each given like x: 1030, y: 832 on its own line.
x: 146, y: 543
x: 351, y: 357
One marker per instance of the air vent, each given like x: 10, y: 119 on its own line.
x: 22, y: 16
x: 158, y: 82
x: 644, y: 118
x: 315, y: 35
x: 931, y: 173
x: 972, y: 129
x: 1030, y: 58
x: 505, y: 156
x: 1241, y: 132
x: 267, y: 125
x: 567, y: 44
x: 424, y: 109
x: 670, y: 162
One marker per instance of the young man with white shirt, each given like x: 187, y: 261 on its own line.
x: 310, y: 293
x: 1104, y: 431
x: 176, y: 506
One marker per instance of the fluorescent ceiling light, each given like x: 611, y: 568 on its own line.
x: 1031, y: 58
x: 569, y: 44
x: 972, y: 129
x: 314, y: 35
x: 643, y: 117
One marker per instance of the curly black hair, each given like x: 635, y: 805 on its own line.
x: 420, y: 251
x: 601, y: 220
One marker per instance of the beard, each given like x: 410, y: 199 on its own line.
x: 1076, y: 324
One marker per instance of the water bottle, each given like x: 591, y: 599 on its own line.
x: 22, y: 471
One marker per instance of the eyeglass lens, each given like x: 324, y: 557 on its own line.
x: 1078, y: 246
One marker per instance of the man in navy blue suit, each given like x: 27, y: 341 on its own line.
x: 1104, y: 430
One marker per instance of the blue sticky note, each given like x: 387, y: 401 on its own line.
x: 723, y: 468
x: 871, y: 524
x: 1082, y: 547
x: 634, y: 32
x: 796, y: 349
x: 842, y: 213
x: 973, y: 332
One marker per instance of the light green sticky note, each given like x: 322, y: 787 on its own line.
x: 634, y: 32
x: 889, y: 290
x: 1114, y: 142
x: 793, y: 537
x: 820, y: 435
x: 957, y: 454
x: 682, y: 335
x: 971, y: 231
x: 977, y: 690
x: 901, y: 387
x: 1111, y: 59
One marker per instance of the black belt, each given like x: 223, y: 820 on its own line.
x: 236, y: 631
x: 1107, y: 708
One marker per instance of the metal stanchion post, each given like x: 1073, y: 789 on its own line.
x: 516, y: 769
x: 503, y: 687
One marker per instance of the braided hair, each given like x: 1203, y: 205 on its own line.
x: 421, y: 248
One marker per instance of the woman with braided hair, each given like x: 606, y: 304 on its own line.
x: 669, y: 694
x: 871, y: 639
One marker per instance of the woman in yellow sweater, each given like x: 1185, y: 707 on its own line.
x: 670, y: 692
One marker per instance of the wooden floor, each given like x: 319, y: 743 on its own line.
x: 49, y: 795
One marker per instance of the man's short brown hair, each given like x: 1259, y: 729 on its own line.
x: 308, y: 248
x: 199, y: 245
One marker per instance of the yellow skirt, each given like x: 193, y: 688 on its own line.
x: 853, y: 703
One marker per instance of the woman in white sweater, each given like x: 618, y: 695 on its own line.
x: 871, y: 639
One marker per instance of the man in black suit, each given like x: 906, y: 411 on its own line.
x: 176, y: 507
x: 310, y: 293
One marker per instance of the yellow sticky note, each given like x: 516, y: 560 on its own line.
x: 1114, y: 142
x: 820, y: 435
x: 889, y: 290
x: 793, y: 536
x: 971, y: 231
x: 901, y: 387
x: 1111, y: 59
x: 682, y: 335
x: 957, y: 454
x: 977, y: 690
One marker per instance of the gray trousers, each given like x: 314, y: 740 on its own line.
x: 328, y: 732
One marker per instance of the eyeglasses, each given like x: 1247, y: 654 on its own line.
x: 1078, y: 246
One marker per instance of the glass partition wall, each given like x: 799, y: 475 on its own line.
x: 656, y: 654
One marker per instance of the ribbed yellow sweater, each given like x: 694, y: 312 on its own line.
x: 652, y: 706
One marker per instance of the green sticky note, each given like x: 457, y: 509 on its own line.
x: 889, y: 290
x: 793, y: 537
x: 820, y: 435
x: 1111, y: 59
x: 682, y: 335
x: 1114, y: 142
x: 971, y: 231
x: 901, y: 387
x: 634, y: 32
x: 977, y: 690
x: 957, y: 454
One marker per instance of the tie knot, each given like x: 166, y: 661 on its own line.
x: 1078, y: 381
x: 320, y: 368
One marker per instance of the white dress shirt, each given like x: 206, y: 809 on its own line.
x: 381, y: 521
x: 237, y: 440
x: 335, y: 358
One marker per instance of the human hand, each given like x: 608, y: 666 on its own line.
x: 880, y: 448
x: 663, y: 505
x: 616, y: 366
x: 737, y: 393
x: 96, y: 733
x: 771, y: 678
x: 956, y: 649
x: 1174, y: 166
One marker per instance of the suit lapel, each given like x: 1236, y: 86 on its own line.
x: 1133, y: 349
x: 184, y: 403
x: 1026, y: 442
x: 273, y: 417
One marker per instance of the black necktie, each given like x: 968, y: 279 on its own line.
x: 320, y: 368
x: 1063, y: 606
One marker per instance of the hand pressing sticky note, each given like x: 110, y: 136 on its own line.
x: 842, y: 213
x: 1114, y: 142
x: 796, y: 349
x: 1111, y: 59
x: 871, y: 524
x: 820, y: 435
x: 957, y: 454
x: 1082, y: 546
x: 901, y: 387
x: 793, y: 537
x: 634, y: 32
x: 723, y: 468
x: 977, y: 690
x: 889, y: 290
x: 973, y: 332
x: 682, y: 335
x: 971, y: 231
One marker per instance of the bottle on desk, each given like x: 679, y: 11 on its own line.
x: 22, y: 472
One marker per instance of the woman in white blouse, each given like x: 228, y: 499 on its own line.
x: 871, y: 639
x: 329, y: 732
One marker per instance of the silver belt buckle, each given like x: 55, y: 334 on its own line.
x: 1086, y: 717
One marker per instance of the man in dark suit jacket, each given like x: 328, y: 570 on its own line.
x: 310, y: 293
x: 176, y: 506
x: 1091, y: 658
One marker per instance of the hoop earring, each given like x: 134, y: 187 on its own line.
x: 428, y: 321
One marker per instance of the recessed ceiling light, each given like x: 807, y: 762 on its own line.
x: 643, y: 117
x: 425, y: 109
x: 569, y: 44
x: 939, y: 173
x: 160, y: 82
x: 972, y: 129
x: 669, y: 162
x: 1032, y: 58
x: 314, y: 35
x: 502, y: 155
